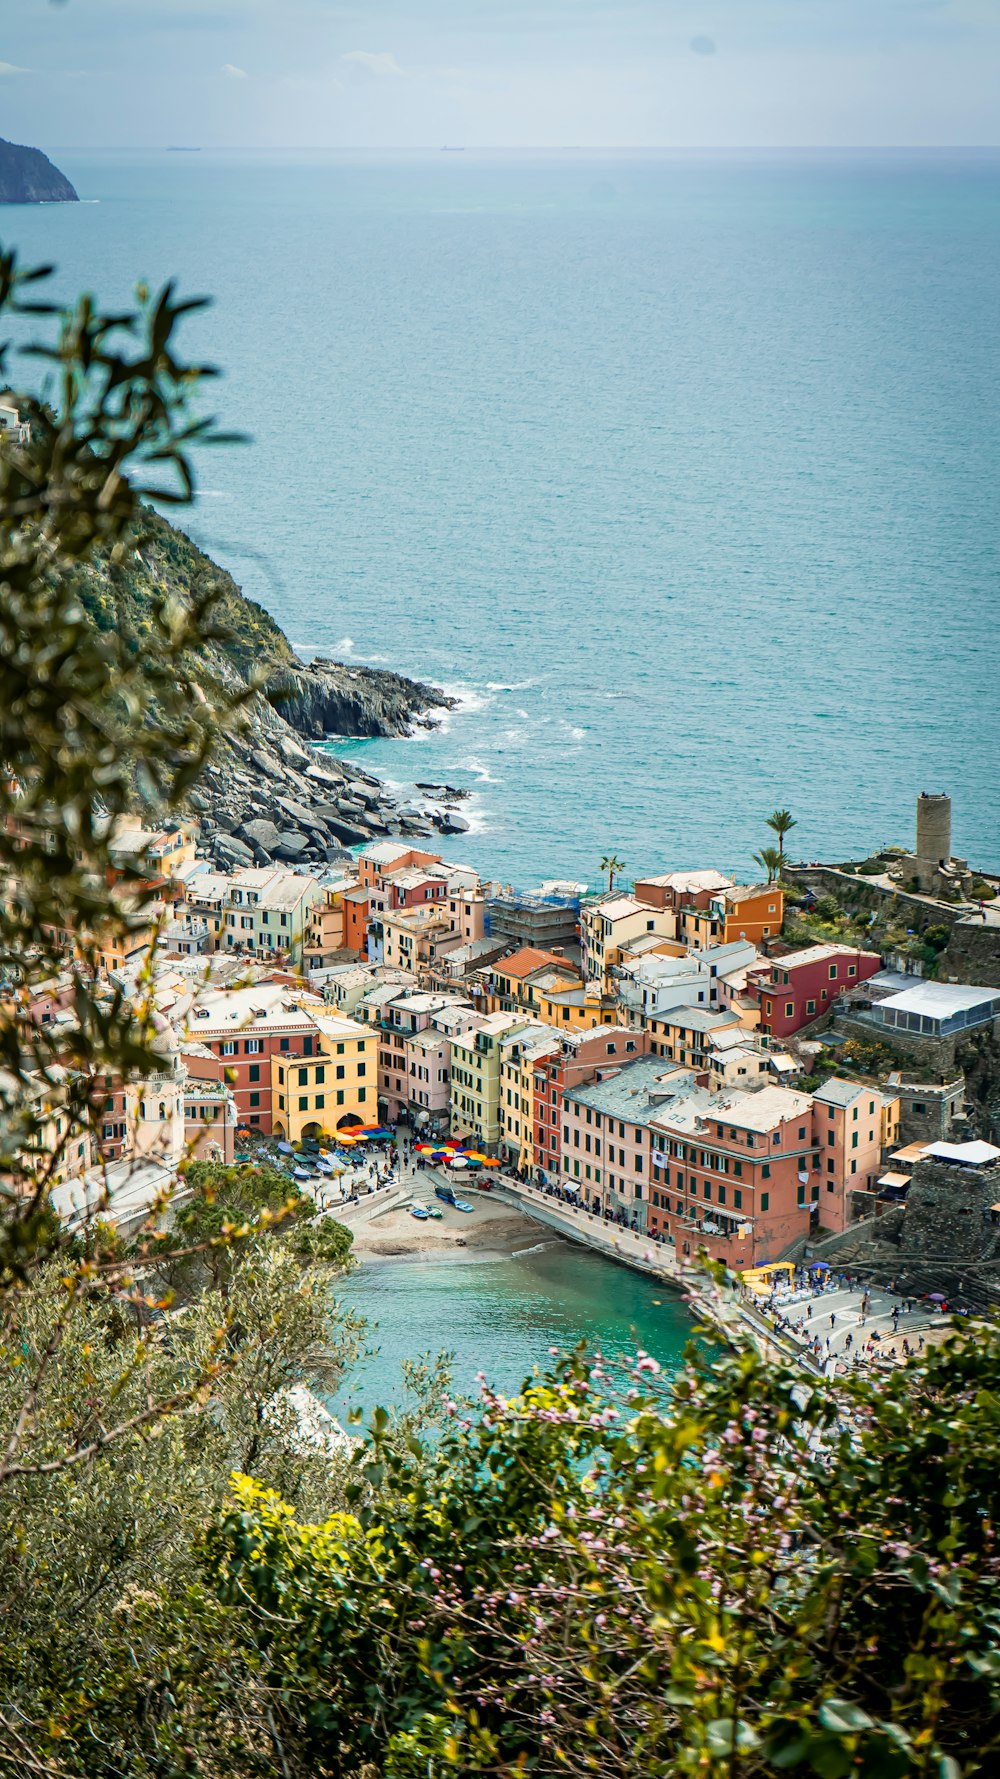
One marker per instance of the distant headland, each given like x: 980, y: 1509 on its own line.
x: 27, y: 176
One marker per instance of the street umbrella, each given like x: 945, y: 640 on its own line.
x: 936, y: 1297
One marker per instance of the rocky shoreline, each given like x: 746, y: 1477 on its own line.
x: 271, y: 796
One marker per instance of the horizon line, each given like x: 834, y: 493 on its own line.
x: 538, y: 147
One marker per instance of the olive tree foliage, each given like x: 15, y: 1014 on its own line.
x: 99, y: 1560
x: 94, y: 722
x: 744, y: 1576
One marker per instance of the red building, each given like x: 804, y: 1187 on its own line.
x: 244, y: 1028
x: 580, y: 1057
x: 736, y: 1173
x: 795, y: 990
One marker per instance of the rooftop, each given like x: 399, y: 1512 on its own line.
x: 816, y: 954
x: 838, y: 1092
x: 529, y: 959
x: 760, y: 1111
x: 384, y: 852
x: 688, y: 883
x: 626, y: 1092
x: 965, y: 1154
x: 940, y: 1000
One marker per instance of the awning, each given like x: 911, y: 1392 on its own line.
x: 893, y: 1180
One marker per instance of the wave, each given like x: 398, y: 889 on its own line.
x: 467, y: 697
x: 345, y: 646
x: 517, y: 685
x: 482, y: 773
x: 214, y: 494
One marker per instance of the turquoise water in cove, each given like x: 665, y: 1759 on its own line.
x: 681, y: 470
x: 502, y: 1316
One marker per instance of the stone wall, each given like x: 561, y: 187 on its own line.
x: 950, y: 1236
x: 936, y: 1054
x: 973, y: 950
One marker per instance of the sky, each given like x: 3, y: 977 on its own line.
x: 500, y: 73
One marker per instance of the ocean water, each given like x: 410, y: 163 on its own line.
x: 681, y: 470
x: 502, y: 1317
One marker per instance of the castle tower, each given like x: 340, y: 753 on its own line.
x: 933, y: 830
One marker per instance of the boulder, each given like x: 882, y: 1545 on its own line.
x: 265, y: 762
x: 261, y: 832
x: 231, y: 850
x: 348, y: 832
x: 450, y: 823
x: 297, y: 812
x: 291, y: 845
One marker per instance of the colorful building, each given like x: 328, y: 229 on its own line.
x: 578, y: 1059
x: 331, y: 1090
x: 796, y: 989
x: 607, y: 925
x: 752, y: 912
x: 475, y: 1077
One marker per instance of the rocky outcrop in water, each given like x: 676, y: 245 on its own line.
x: 27, y: 176
x: 324, y: 698
x: 269, y: 794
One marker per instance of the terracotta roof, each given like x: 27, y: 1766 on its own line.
x: 529, y: 959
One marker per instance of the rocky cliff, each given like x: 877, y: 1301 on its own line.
x: 27, y: 176
x: 269, y: 795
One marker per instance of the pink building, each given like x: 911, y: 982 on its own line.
x: 414, y: 1053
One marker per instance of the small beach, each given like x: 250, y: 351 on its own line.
x: 489, y: 1231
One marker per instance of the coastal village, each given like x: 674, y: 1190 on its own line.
x: 702, y: 1063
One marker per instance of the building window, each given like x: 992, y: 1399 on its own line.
x: 255, y: 1099
x: 789, y: 1009
x: 303, y: 1102
x: 765, y: 1172
x: 800, y: 1198
x: 833, y: 972
x: 228, y: 1047
x: 320, y: 1101
x: 738, y: 1199
x: 253, y: 1046
x: 303, y: 1077
x: 765, y: 1200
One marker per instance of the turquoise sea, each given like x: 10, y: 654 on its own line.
x: 502, y: 1317
x: 681, y: 469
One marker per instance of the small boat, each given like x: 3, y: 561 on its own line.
x: 432, y: 1211
x: 460, y: 1205
x: 419, y: 1212
x: 302, y: 1173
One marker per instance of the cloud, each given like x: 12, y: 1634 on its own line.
x: 12, y: 68
x: 703, y: 46
x: 231, y: 72
x: 372, y: 64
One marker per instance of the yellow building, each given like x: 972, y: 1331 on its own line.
x: 413, y: 938
x: 683, y: 1034
x: 890, y: 1121
x: 320, y: 1095
x: 157, y: 850
x: 519, y: 1054
x: 577, y: 1009
x: 608, y: 926
x: 475, y: 1077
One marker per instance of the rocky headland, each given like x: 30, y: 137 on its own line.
x: 27, y: 176
x: 273, y: 792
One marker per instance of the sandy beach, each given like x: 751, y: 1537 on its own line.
x: 490, y: 1228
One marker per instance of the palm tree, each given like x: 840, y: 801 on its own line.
x: 611, y: 865
x: 780, y: 821
x: 769, y: 860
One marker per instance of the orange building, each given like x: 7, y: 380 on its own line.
x: 754, y: 912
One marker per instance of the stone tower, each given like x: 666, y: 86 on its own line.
x: 933, y: 832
